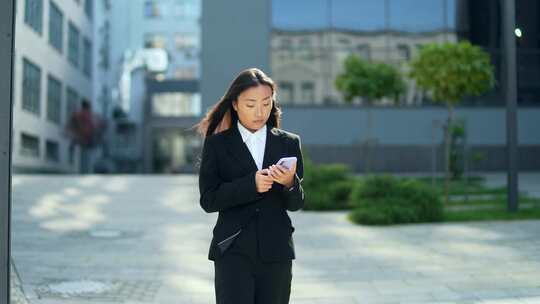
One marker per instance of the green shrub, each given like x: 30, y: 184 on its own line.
x: 385, y: 199
x: 327, y: 187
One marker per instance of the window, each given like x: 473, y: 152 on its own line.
x: 33, y: 14
x: 184, y: 73
x: 185, y: 41
x: 176, y: 104
x: 104, y: 50
x: 73, y: 44
x: 364, y: 51
x: 54, y: 99
x: 404, y: 51
x: 71, y: 154
x: 31, y: 87
x: 286, y: 92
x: 154, y: 41
x: 87, y: 57
x: 52, y: 151
x: 29, y: 145
x: 151, y: 9
x: 72, y: 101
x: 56, y: 26
x: 308, y: 92
x: 185, y: 9
x: 88, y: 8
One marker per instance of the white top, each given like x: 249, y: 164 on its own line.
x: 256, y: 142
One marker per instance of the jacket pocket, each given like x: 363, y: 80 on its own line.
x: 227, y: 242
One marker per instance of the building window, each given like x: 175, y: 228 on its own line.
x: 404, y: 51
x: 56, y: 26
x: 88, y: 8
x: 186, y: 9
x: 184, y: 73
x: 286, y: 92
x: 151, y: 9
x: 87, y: 57
x: 31, y: 87
x: 71, y: 154
x: 73, y: 44
x: 185, y: 41
x: 104, y: 50
x: 72, y: 101
x: 54, y: 99
x: 29, y: 145
x: 33, y: 14
x: 52, y: 151
x: 364, y: 51
x: 308, y: 92
x: 155, y: 41
x: 176, y: 104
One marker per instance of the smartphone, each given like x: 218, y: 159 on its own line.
x: 287, y: 162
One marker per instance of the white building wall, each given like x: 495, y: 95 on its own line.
x: 29, y: 44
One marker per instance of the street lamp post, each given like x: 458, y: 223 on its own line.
x: 7, y: 30
x: 510, y: 84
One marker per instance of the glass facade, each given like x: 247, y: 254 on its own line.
x: 311, y: 38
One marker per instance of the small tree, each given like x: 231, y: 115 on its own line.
x: 370, y: 80
x: 448, y: 72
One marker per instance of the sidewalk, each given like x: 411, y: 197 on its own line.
x: 144, y: 239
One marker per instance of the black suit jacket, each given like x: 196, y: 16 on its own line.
x: 227, y: 185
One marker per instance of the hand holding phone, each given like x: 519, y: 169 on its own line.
x: 287, y: 162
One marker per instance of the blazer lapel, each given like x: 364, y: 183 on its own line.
x: 240, y: 151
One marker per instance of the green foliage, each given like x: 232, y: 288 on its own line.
x: 327, y: 187
x: 385, y: 199
x: 450, y: 71
x: 365, y: 79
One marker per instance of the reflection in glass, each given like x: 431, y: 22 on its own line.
x: 310, y: 40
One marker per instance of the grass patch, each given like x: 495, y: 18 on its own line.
x: 474, y: 185
x: 498, y: 213
x: 499, y: 200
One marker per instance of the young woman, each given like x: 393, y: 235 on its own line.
x: 252, y: 245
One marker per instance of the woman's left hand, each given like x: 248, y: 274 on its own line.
x: 282, y: 175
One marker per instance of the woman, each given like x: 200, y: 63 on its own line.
x: 252, y: 245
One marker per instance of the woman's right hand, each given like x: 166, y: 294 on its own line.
x: 263, y: 181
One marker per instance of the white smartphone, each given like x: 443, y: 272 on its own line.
x: 287, y: 161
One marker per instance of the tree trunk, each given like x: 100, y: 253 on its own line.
x: 447, y: 153
x: 368, y: 141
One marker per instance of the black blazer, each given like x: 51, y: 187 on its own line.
x: 227, y: 185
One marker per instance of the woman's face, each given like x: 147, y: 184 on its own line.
x: 253, y: 107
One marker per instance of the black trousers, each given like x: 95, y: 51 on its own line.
x: 242, y: 278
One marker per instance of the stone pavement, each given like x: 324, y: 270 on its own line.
x: 144, y: 239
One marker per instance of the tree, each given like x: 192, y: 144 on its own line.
x: 448, y: 72
x: 372, y: 81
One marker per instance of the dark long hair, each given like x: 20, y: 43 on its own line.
x: 222, y: 115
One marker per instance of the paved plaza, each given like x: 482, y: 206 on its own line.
x: 144, y: 239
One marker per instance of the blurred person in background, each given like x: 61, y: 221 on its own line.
x: 252, y: 245
x: 85, y: 129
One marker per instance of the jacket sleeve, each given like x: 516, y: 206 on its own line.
x: 216, y: 194
x: 294, y: 196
